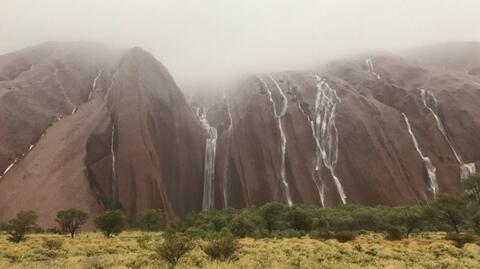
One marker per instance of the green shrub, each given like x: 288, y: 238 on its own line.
x: 71, y: 219
x: 3, y: 226
x: 143, y: 240
x: 174, y: 247
x: 221, y: 249
x: 449, y: 210
x: 288, y: 233
x: 459, y: 239
x: 322, y: 235
x: 111, y: 222
x: 394, y: 233
x: 242, y: 225
x: 18, y: 227
x: 273, y: 216
x: 345, y: 236
x: 298, y: 219
x: 52, y: 244
x: 197, y: 233
x: 151, y: 220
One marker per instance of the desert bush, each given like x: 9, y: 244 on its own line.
x: 221, y: 249
x: 111, y: 222
x: 299, y: 219
x: 3, y: 226
x: 174, y: 247
x: 243, y: 225
x: 18, y: 227
x: 345, y: 236
x: 394, y: 233
x: 143, y: 240
x: 449, y: 210
x: 273, y: 216
x: 71, y: 219
x: 322, y: 235
x: 288, y: 233
x: 150, y: 220
x: 459, y: 239
x: 52, y: 244
x: 197, y: 233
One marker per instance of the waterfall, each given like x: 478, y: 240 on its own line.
x: 9, y: 167
x: 65, y: 96
x: 229, y: 132
x: 94, y: 84
x: 317, y: 180
x: 112, y: 80
x: 283, y: 139
x: 210, y: 153
x: 430, y: 102
x: 467, y: 170
x: 369, y: 63
x: 430, y: 169
x: 325, y: 131
x: 112, y: 152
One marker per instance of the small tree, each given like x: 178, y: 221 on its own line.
x: 272, y: 214
x: 111, y: 222
x: 298, y: 219
x: 450, y: 210
x: 243, y: 224
x: 70, y: 220
x: 150, y: 220
x: 411, y: 218
x: 472, y: 187
x: 18, y: 227
x: 174, y: 248
x: 394, y: 233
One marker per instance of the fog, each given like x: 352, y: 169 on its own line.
x: 214, y: 40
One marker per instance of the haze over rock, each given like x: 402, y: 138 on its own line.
x: 87, y: 127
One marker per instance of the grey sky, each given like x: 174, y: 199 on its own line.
x: 210, y: 39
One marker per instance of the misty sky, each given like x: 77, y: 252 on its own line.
x: 201, y: 40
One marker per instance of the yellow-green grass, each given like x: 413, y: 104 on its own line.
x: 93, y: 250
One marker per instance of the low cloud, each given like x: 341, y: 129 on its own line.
x: 216, y: 40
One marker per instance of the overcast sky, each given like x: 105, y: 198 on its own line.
x: 209, y: 39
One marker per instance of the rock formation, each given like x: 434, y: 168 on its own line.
x: 87, y: 127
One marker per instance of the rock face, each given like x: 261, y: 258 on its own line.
x: 379, y: 129
x: 86, y: 127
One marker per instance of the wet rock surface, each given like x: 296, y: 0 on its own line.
x: 86, y: 127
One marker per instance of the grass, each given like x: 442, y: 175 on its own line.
x: 135, y: 250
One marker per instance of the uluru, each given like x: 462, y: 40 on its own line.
x: 83, y: 125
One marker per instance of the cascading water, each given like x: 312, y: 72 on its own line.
x: 9, y: 167
x: 229, y: 133
x: 325, y: 131
x: 210, y: 153
x: 317, y: 180
x: 467, y: 170
x: 431, y: 170
x: 114, y: 173
x: 369, y: 63
x: 94, y: 84
x: 283, y: 139
x: 64, y: 92
x: 112, y: 80
x: 431, y: 103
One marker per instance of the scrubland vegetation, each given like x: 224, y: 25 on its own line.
x: 134, y: 249
x: 443, y: 234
